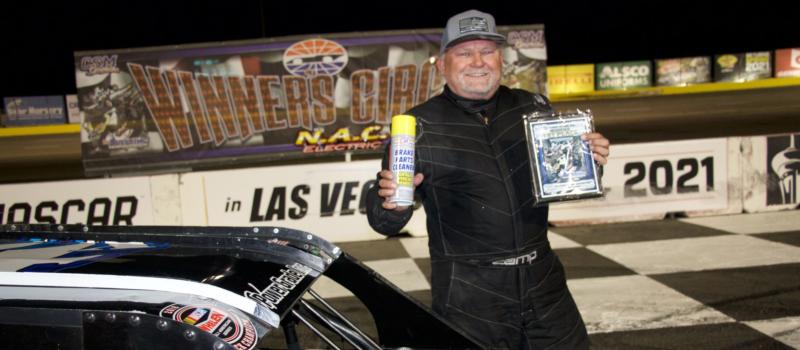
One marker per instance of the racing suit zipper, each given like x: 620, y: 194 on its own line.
x: 501, y: 173
x: 519, y: 274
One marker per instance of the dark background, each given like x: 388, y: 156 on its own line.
x: 39, y: 38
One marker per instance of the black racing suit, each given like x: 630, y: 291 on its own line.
x: 493, y: 272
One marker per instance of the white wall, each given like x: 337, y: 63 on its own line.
x: 708, y: 177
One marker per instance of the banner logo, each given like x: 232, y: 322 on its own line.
x: 99, y: 211
x: 727, y: 61
x: 314, y: 57
x: 526, y: 39
x: 795, y: 59
x: 234, y: 330
x: 99, y: 64
x: 473, y: 24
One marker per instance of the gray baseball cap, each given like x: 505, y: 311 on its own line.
x: 472, y: 24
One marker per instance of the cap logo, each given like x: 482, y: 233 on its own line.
x: 472, y: 24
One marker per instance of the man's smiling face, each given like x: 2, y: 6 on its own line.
x: 472, y: 68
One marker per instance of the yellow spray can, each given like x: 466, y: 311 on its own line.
x: 401, y: 158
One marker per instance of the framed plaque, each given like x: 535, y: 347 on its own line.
x: 562, y: 166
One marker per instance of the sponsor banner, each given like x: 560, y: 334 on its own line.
x: 771, y: 172
x: 73, y: 111
x: 683, y: 71
x: 179, y: 107
x: 124, y: 201
x: 624, y: 75
x: 570, y: 79
x: 743, y: 67
x: 649, y: 180
x: 34, y: 110
x: 787, y: 63
x: 328, y: 200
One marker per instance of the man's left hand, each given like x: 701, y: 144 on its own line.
x: 599, y: 145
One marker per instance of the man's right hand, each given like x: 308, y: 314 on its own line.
x: 387, y: 187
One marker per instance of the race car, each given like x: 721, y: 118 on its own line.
x: 170, y: 287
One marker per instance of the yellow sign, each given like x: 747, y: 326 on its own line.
x: 570, y: 79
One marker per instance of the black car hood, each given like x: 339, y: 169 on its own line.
x: 225, y: 286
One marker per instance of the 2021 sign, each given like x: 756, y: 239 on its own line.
x: 662, y: 177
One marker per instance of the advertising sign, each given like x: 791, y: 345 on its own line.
x: 328, y: 199
x: 125, y: 201
x: 570, y: 79
x: 743, y: 67
x: 787, y: 63
x: 34, y: 110
x: 293, y: 97
x: 624, y: 75
x: 783, y: 169
x: 683, y: 71
x: 73, y: 111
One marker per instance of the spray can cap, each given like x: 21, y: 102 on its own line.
x: 403, y: 124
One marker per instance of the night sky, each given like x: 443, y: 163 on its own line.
x: 39, y: 37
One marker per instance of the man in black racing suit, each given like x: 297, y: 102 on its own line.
x: 493, y: 272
